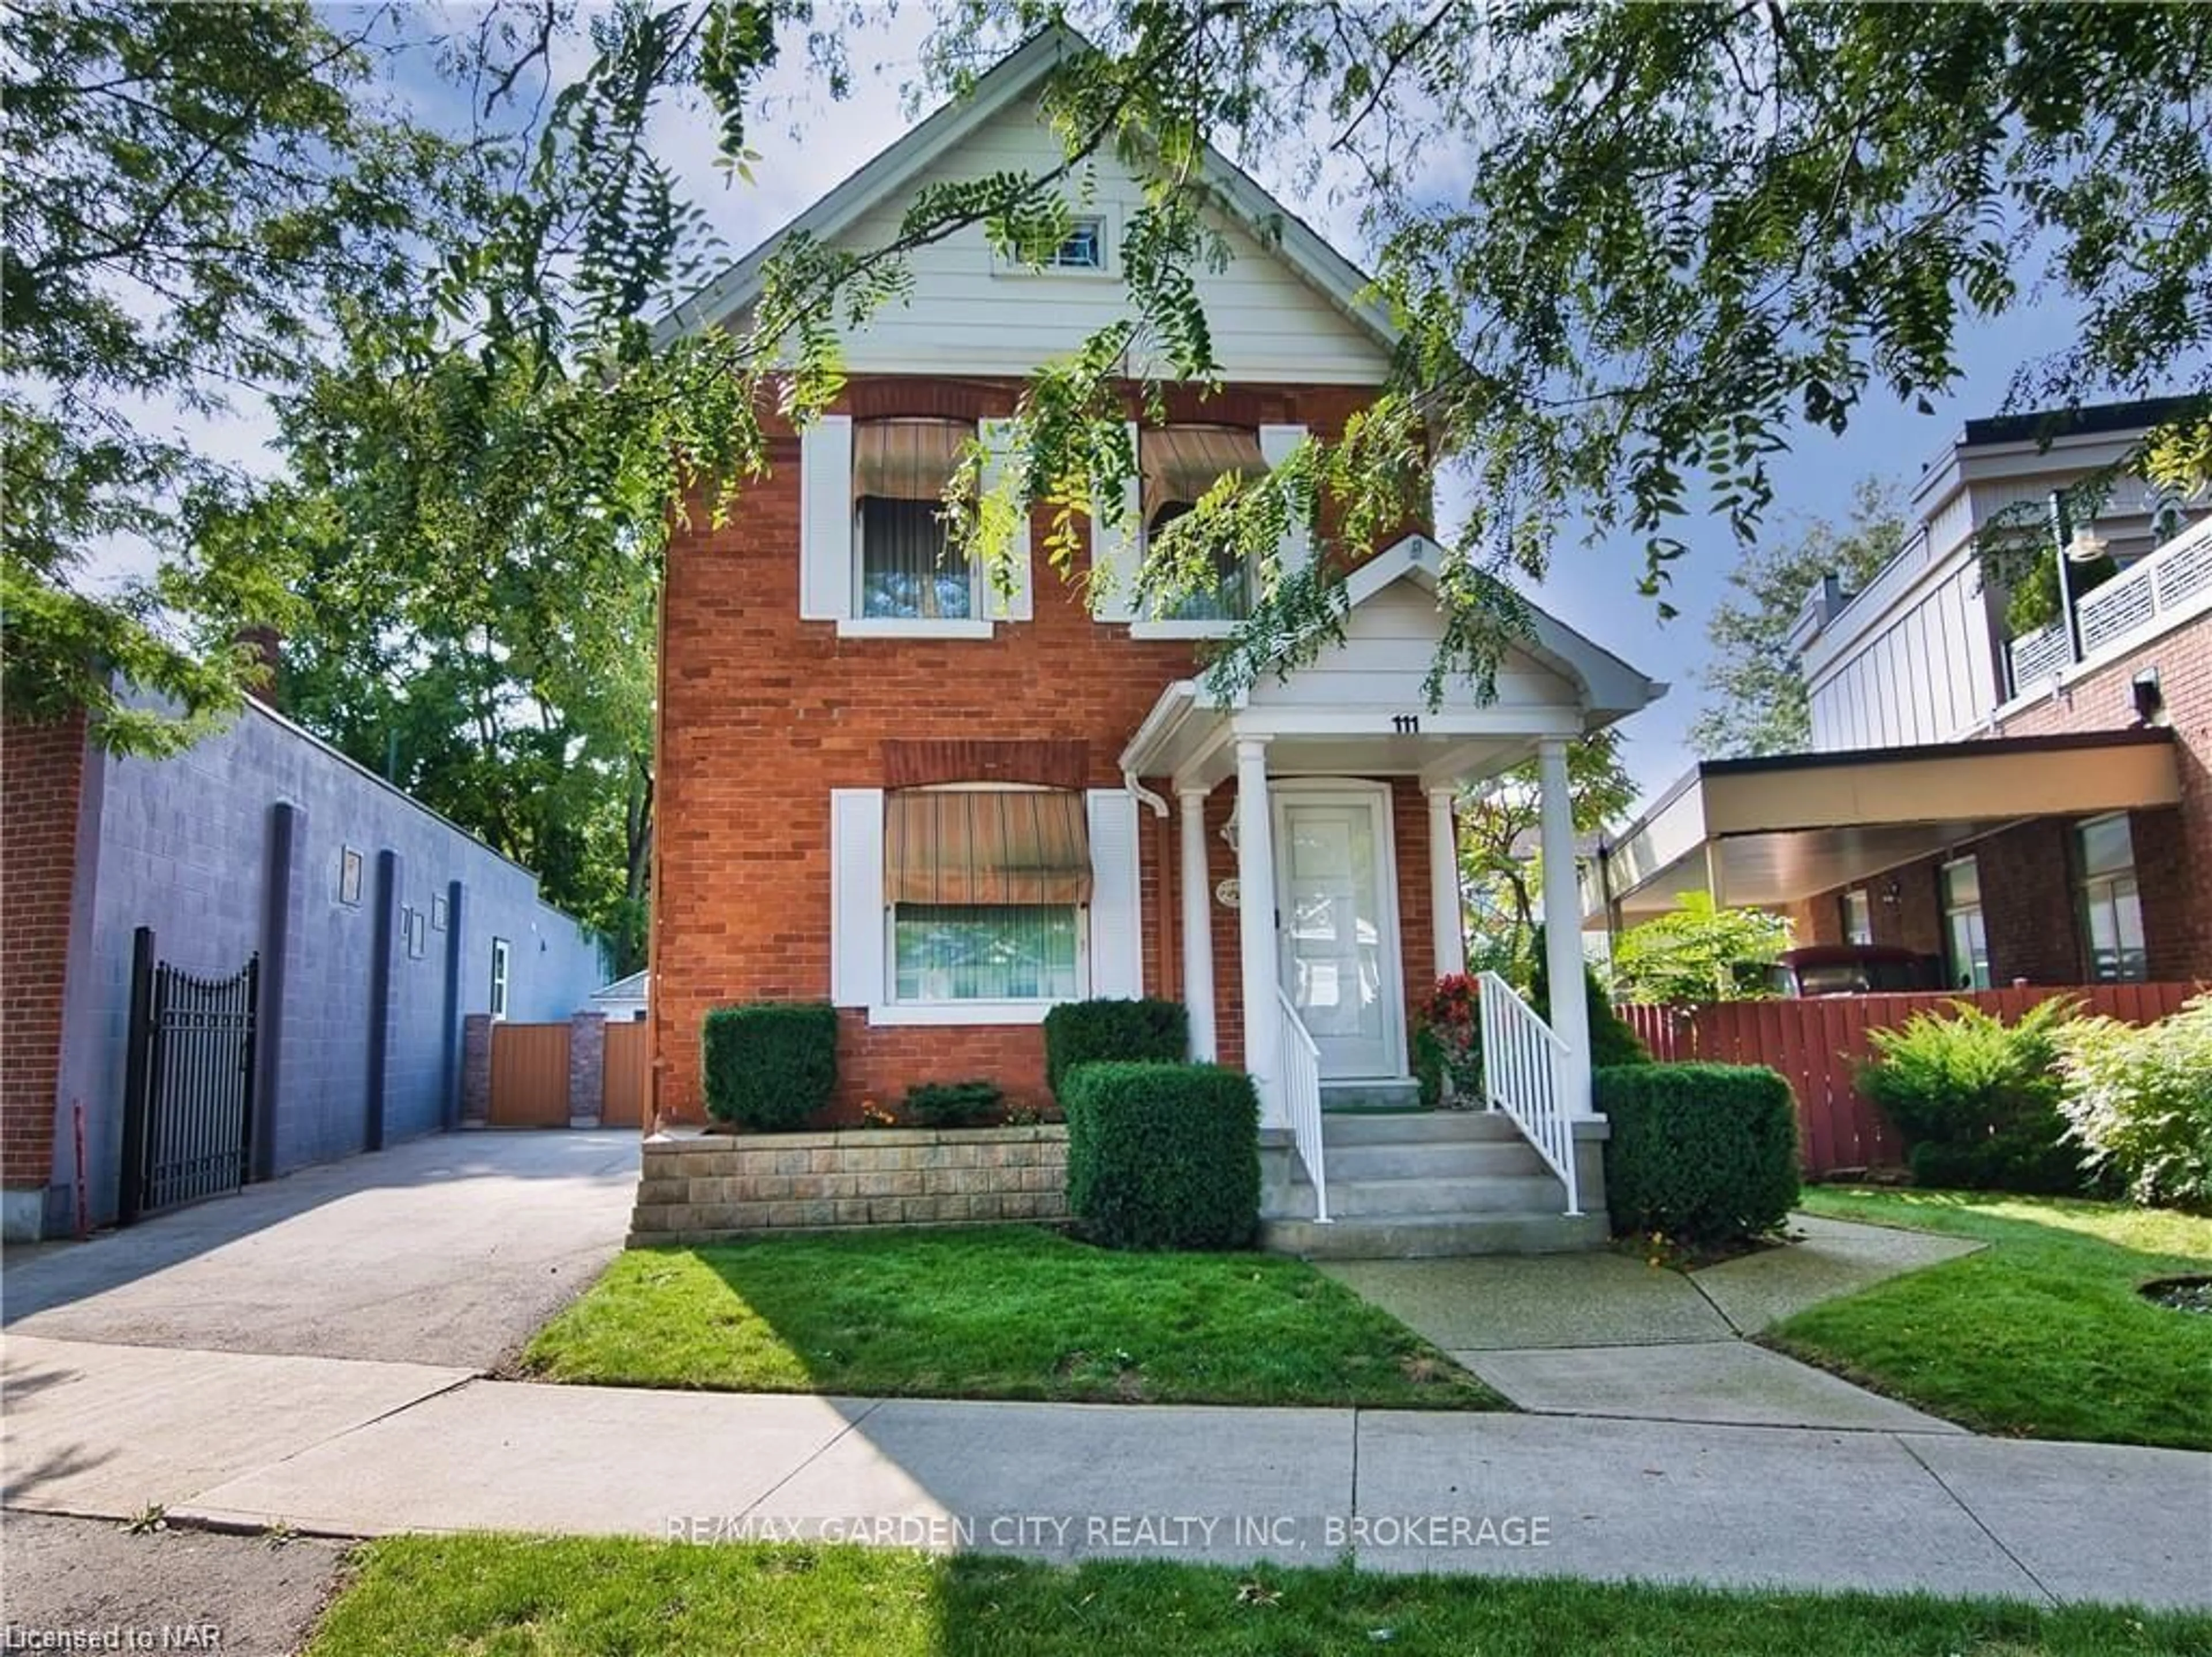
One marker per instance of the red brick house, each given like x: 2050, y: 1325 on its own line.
x: 946, y: 809
x: 2033, y: 809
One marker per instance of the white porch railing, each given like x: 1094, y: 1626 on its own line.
x: 1298, y: 1061
x: 1521, y: 1056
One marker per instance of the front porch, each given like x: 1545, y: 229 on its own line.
x: 1332, y: 788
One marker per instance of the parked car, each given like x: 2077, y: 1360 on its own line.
x: 1853, y: 969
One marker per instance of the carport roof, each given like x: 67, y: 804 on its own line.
x: 1773, y: 831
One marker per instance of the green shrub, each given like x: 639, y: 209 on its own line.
x: 1977, y: 1100
x: 1704, y: 1153
x: 1613, y: 1042
x: 1132, y: 1032
x: 953, y: 1103
x: 1163, y: 1156
x: 768, y: 1065
x: 2139, y: 1102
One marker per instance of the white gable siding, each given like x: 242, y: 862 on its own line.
x: 964, y: 316
x: 1392, y: 635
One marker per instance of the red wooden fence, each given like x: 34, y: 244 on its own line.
x: 1818, y: 1045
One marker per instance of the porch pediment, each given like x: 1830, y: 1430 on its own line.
x: 1359, y: 708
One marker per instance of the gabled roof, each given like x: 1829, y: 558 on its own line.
x: 1014, y: 77
x: 1607, y: 684
x: 629, y: 988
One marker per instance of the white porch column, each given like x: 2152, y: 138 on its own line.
x: 1563, y: 928
x: 1443, y: 884
x: 1256, y: 924
x: 1197, y: 925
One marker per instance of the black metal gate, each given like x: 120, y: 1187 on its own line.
x: 188, y: 1085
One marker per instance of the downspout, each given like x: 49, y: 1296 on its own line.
x: 1166, y: 957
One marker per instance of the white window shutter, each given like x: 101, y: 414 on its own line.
x: 825, y: 518
x: 1115, y: 553
x: 996, y: 439
x: 856, y: 896
x: 1276, y: 444
x: 1117, y: 966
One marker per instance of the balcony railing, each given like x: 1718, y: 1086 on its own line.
x: 2177, y: 573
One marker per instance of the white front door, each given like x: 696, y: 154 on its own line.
x: 1337, y: 927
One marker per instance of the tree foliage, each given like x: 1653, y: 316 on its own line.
x: 1633, y: 251
x: 190, y: 191
x: 1699, y: 953
x: 1501, y: 866
x: 1754, y: 691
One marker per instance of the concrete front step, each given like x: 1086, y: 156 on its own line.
x: 1453, y: 1159
x: 1423, y: 1198
x: 1420, y: 1128
x: 1371, y: 1096
x: 1434, y: 1236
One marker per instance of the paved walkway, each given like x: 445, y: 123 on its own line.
x: 352, y: 1448
x: 1603, y: 1334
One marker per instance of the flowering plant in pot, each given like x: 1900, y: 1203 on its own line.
x: 1448, y: 1033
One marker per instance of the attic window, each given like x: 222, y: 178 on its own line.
x: 1084, y: 248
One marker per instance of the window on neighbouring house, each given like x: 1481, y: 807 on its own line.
x: 2111, y: 903
x: 349, y: 862
x: 1179, y: 464
x: 1858, y: 916
x: 1084, y: 248
x: 906, y: 567
x: 985, y: 890
x: 1966, y: 941
x: 499, y: 970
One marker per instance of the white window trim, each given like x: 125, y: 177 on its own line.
x: 914, y: 627
x: 502, y: 977
x: 1109, y: 269
x: 881, y: 979
x: 1220, y: 628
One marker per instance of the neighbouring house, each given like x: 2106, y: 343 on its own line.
x: 946, y: 809
x: 312, y: 940
x: 622, y: 1002
x: 2028, y: 804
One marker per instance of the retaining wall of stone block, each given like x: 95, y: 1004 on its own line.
x: 699, y: 1188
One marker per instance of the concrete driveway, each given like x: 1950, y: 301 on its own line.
x: 448, y: 1251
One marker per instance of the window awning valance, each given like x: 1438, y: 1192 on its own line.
x: 974, y: 846
x: 906, y: 459
x: 1180, y: 463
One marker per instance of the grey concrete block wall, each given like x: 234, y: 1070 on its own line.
x: 184, y: 845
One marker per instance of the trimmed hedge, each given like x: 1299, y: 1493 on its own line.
x: 1113, y: 1032
x: 1163, y: 1156
x: 768, y: 1065
x: 953, y: 1103
x: 1704, y: 1153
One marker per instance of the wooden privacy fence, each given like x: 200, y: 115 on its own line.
x: 533, y: 1084
x: 1818, y: 1045
x: 529, y: 1076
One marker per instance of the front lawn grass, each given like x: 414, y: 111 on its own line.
x: 576, y: 1597
x: 2039, y: 1335
x: 1001, y: 1312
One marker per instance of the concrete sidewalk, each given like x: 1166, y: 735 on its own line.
x: 97, y: 1429
x: 1604, y: 1334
